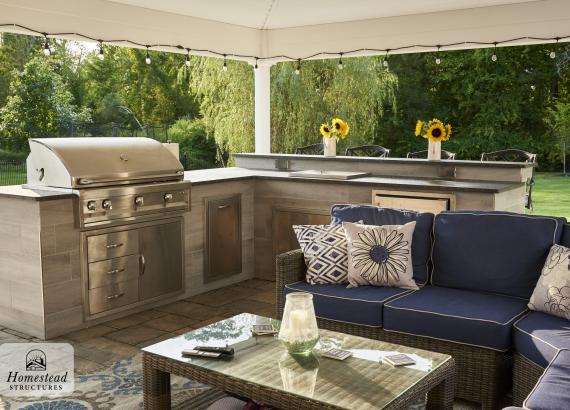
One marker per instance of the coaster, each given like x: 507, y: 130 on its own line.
x: 337, y: 354
x: 399, y: 360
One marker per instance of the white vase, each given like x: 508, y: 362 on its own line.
x: 299, y: 331
x: 330, y: 146
x: 434, y: 150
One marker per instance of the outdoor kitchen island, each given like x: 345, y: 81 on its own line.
x: 238, y: 220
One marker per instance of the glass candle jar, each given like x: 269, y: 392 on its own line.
x: 299, y: 331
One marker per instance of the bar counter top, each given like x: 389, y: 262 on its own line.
x: 207, y: 176
x: 19, y: 192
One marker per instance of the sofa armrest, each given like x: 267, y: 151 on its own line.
x: 290, y: 267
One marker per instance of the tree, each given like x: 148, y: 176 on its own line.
x: 39, y: 105
x: 560, y: 123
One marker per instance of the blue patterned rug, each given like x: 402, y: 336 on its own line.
x: 119, y: 387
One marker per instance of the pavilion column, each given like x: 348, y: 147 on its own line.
x: 263, y: 108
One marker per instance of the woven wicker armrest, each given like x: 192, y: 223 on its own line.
x: 290, y: 268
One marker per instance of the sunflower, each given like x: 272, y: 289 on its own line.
x: 344, y: 129
x: 419, y: 127
x: 337, y: 124
x: 436, y: 132
x: 447, y: 132
x: 326, y: 130
x: 380, y: 256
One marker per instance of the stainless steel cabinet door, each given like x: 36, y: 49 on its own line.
x: 162, y: 259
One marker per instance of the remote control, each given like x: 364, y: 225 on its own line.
x: 197, y: 353
x: 227, y: 351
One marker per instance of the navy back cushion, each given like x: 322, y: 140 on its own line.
x: 566, y: 236
x: 492, y: 251
x: 374, y: 215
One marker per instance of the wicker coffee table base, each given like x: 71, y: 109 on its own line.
x: 439, y: 386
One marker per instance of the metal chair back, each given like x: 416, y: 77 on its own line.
x: 313, y: 149
x: 423, y: 154
x: 368, y: 151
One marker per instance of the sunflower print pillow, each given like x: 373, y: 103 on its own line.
x: 552, y: 292
x: 380, y: 255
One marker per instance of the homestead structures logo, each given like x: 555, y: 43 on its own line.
x: 36, y: 369
x: 36, y: 360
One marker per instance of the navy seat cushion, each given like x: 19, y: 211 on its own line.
x: 455, y: 315
x: 360, y: 306
x: 538, y: 336
x: 495, y: 252
x: 374, y: 215
x: 552, y: 391
x: 565, y: 241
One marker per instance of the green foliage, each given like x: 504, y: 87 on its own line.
x: 226, y: 101
x: 197, y: 149
x: 12, y: 156
x: 39, y: 105
x: 358, y: 94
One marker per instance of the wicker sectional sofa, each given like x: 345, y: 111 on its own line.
x: 476, y: 272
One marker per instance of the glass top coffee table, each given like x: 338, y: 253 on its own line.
x: 263, y: 370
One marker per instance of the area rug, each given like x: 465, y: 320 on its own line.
x: 118, y: 387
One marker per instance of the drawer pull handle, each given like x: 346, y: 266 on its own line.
x: 115, y: 271
x: 223, y: 206
x: 116, y: 296
x: 142, y: 268
x: 114, y: 245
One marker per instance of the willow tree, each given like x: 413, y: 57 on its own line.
x: 358, y: 93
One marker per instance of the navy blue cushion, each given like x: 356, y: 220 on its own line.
x: 552, y: 392
x: 495, y: 252
x: 566, y: 236
x: 374, y: 215
x: 361, y: 305
x: 538, y: 337
x: 478, y: 319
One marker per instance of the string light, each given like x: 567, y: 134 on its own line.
x: 553, y: 53
x: 385, y: 62
x: 340, y: 65
x: 1, y: 39
x: 255, y: 67
x: 174, y: 47
x: 225, y: 66
x: 494, y: 56
x: 298, y: 68
x: 437, y: 59
x: 47, y: 50
x: 101, y: 54
x: 147, y: 59
x: 187, y: 57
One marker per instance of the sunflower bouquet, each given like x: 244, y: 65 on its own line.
x: 338, y: 130
x: 434, y: 130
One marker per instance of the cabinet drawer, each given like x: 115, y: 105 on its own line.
x: 112, y: 245
x: 113, y: 271
x: 113, y: 296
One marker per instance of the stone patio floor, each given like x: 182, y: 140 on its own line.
x: 98, y: 347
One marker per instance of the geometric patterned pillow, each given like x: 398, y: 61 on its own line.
x: 552, y: 292
x: 325, y: 250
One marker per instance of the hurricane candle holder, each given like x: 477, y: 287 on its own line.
x: 299, y: 331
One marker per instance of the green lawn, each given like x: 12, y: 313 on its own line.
x: 551, y: 195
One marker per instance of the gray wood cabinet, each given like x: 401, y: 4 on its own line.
x: 223, y: 239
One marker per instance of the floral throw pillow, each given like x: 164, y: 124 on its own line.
x: 552, y: 292
x: 380, y: 255
x: 325, y: 251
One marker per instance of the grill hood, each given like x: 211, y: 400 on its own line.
x: 95, y: 162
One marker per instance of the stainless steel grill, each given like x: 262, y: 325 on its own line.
x: 131, y: 200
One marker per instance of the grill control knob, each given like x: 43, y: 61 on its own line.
x: 139, y: 201
x: 168, y: 197
x: 92, y: 205
x: 107, y: 204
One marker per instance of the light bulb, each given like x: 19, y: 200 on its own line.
x: 438, y: 60
x: 1, y: 40
x: 147, y: 60
x: 340, y: 65
x: 47, y: 51
x: 494, y: 58
x: 553, y: 54
x: 297, y: 71
x: 225, y: 67
x: 188, y: 61
x: 101, y: 54
x: 385, y: 63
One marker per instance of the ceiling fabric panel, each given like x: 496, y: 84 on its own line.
x: 232, y: 26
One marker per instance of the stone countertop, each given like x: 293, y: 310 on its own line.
x: 19, y: 192
x: 208, y: 176
x: 468, y: 163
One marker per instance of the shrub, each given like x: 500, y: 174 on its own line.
x: 198, y: 149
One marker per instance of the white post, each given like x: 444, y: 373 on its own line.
x: 263, y: 108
